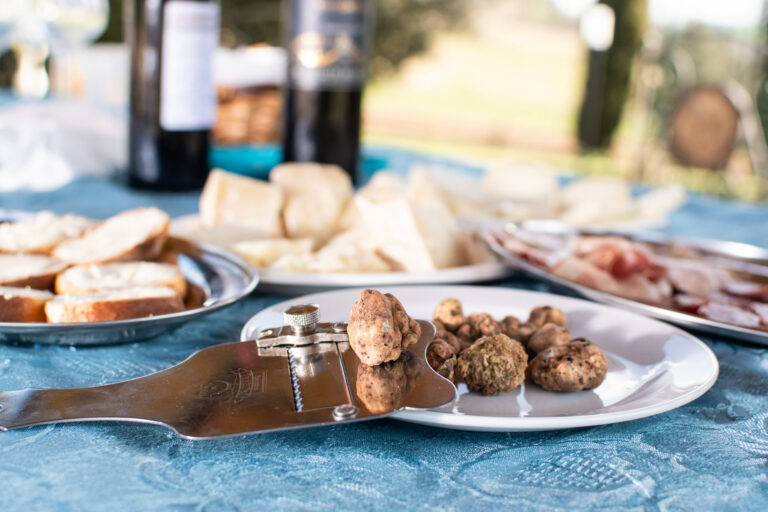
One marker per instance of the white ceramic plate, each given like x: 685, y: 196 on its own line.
x: 296, y: 283
x: 652, y: 367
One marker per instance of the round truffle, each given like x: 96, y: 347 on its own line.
x: 379, y: 328
x: 547, y: 315
x: 550, y: 335
x: 576, y: 366
x: 478, y: 325
x: 493, y: 364
x: 450, y: 314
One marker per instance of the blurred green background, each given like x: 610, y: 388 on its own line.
x: 499, y: 80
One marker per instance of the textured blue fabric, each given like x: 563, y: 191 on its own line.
x: 710, y: 454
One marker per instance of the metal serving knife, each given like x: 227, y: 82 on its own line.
x: 298, y: 375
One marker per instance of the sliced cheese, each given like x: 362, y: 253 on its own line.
x: 418, y: 239
x: 233, y: 200
x: 263, y: 253
x: 316, y: 196
x: 347, y: 252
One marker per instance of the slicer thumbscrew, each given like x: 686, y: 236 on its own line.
x: 302, y: 318
x: 344, y: 411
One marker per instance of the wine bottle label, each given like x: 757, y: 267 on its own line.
x: 190, y: 39
x: 328, y: 49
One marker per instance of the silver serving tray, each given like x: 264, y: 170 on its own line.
x: 737, y: 256
x: 222, y: 277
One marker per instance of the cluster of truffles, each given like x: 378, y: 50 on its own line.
x: 491, y: 355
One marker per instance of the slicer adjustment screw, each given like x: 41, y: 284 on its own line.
x: 302, y: 318
x: 344, y: 412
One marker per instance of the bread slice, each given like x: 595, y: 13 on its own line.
x: 23, y: 304
x: 136, y: 302
x: 33, y: 270
x: 84, y: 279
x: 137, y: 234
x: 41, y: 233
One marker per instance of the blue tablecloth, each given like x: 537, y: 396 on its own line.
x: 710, y: 454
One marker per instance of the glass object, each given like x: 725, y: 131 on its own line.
x: 36, y: 28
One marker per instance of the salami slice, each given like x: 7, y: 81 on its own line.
x: 729, y: 314
x: 747, y: 290
x: 761, y: 309
x: 688, y: 303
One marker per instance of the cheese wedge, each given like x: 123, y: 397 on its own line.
x: 84, y: 279
x: 137, y: 234
x: 316, y: 196
x: 33, y: 270
x: 39, y: 234
x: 418, y: 239
x: 23, y: 304
x: 233, y: 200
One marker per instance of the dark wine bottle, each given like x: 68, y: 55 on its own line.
x: 327, y: 67
x: 172, y: 98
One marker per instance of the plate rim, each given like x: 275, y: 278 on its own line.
x: 180, y: 316
x: 679, y: 318
x: 533, y: 423
x: 490, y: 270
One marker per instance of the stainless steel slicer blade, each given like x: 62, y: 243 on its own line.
x: 298, y: 375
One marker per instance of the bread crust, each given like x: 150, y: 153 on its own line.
x: 40, y: 278
x: 110, y: 310
x: 38, y: 282
x: 22, y: 309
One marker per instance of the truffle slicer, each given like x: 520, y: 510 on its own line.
x: 302, y: 374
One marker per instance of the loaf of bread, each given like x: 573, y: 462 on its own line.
x: 41, y: 233
x: 132, y: 235
x: 136, y: 302
x: 23, y: 304
x: 83, y: 279
x: 33, y: 270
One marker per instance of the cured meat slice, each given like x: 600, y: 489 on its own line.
x: 729, y: 314
x: 688, y: 303
x: 761, y: 309
x: 636, y: 286
x: 747, y: 290
x: 695, y: 277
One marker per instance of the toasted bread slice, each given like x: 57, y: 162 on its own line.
x: 33, y: 270
x: 136, y: 302
x: 41, y: 233
x: 23, y: 304
x: 132, y: 235
x: 84, y: 279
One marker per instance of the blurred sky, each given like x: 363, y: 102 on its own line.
x: 718, y: 13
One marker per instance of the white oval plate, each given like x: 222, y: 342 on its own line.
x: 652, y: 367
x: 296, y: 283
